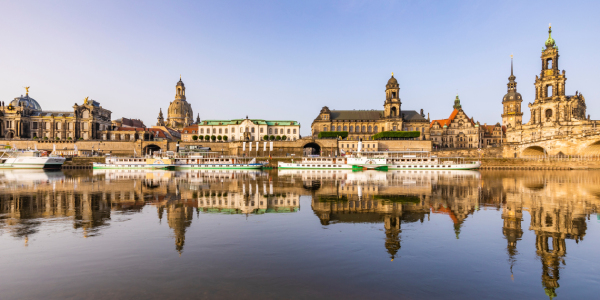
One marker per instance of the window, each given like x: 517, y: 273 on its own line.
x: 364, y: 129
x: 324, y: 129
x: 357, y: 129
x: 370, y: 129
x: 202, y: 130
x: 270, y: 130
x: 549, y: 91
x: 351, y: 128
x: 220, y: 130
x: 288, y: 131
x: 332, y: 128
x: 261, y: 130
x: 294, y: 131
x: 339, y: 128
x: 225, y: 130
x: 252, y: 129
x: 548, y: 113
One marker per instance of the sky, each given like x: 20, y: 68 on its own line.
x: 285, y: 60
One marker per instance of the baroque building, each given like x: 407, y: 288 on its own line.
x: 23, y: 118
x: 554, y: 114
x: 180, y: 113
x: 363, y: 124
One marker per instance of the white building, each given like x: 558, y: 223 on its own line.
x: 242, y: 129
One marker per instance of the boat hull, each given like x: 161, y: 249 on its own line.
x: 34, y: 163
x: 220, y: 167
x: 471, y: 166
x: 131, y: 167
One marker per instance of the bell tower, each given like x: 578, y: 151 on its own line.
x: 511, y: 115
x: 392, y: 99
x: 180, y: 90
x: 551, y: 83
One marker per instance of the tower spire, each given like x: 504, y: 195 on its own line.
x: 511, y: 65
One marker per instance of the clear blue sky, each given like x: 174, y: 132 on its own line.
x: 287, y: 59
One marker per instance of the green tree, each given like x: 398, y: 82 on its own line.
x: 207, y: 137
x: 284, y: 137
x: 278, y: 138
x: 272, y: 138
x: 213, y: 138
x: 266, y: 137
x: 194, y: 137
x: 201, y: 137
x: 225, y: 138
x: 219, y: 137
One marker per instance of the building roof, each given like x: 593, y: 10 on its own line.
x: 255, y: 121
x: 443, y: 122
x: 125, y: 122
x: 340, y: 115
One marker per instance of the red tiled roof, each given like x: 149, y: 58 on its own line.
x: 445, y: 121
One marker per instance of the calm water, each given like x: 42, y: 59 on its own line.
x: 300, y: 235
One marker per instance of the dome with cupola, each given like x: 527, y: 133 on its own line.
x: 26, y: 101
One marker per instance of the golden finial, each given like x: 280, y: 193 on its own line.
x: 85, y: 101
x: 179, y: 76
x: 511, y: 56
x: 392, y: 73
x: 549, y: 25
x: 26, y: 90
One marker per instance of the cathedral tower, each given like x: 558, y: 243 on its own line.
x: 392, y: 99
x: 512, y: 116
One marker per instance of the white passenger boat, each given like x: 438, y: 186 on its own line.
x: 383, y: 161
x: 215, y: 162
x: 112, y: 162
x: 29, y: 159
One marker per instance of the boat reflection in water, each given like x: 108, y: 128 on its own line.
x: 391, y: 198
x: 559, y: 205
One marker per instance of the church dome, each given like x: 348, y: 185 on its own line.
x: 392, y: 80
x: 512, y: 96
x: 550, y: 43
x: 26, y: 101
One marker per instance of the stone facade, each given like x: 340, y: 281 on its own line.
x: 23, y: 118
x: 557, y: 120
x: 180, y: 113
x: 363, y: 124
x: 458, y: 131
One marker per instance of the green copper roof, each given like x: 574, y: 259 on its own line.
x: 255, y: 121
x: 550, y: 41
x: 457, y: 103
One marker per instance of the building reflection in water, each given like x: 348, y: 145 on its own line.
x: 558, y: 203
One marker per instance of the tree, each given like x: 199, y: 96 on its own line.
x: 225, y: 138
x: 213, y: 138
x: 207, y: 137
x: 272, y: 138
x: 266, y: 137
x: 219, y: 137
x: 194, y: 137
x: 278, y: 138
x: 284, y: 137
x: 201, y: 137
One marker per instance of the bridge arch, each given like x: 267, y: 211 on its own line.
x: 312, y: 148
x: 149, y: 149
x: 592, y: 149
x: 533, y: 151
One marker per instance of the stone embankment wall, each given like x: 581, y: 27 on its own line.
x: 495, y: 152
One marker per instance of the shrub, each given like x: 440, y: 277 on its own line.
x: 201, y: 137
x: 45, y: 138
x: 266, y: 137
x: 212, y: 137
x: 278, y: 138
x: 284, y: 137
x: 397, y: 135
x: 194, y: 137
x: 333, y: 134
x: 272, y: 138
x: 35, y: 137
x: 225, y: 138
x: 207, y: 137
x: 219, y: 137
x: 69, y: 138
x: 57, y: 138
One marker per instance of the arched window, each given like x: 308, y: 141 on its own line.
x: 332, y: 128
x: 339, y: 128
x: 364, y: 129
x: 548, y: 113
x: 345, y: 128
x: 370, y: 129
x: 357, y: 129
x: 85, y: 114
x: 394, y: 112
x: 549, y: 63
x: 549, y: 91
x: 394, y: 95
x: 375, y: 129
x: 324, y: 128
x: 351, y: 128
x: 252, y: 130
x: 270, y: 130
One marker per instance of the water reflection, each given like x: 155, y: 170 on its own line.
x: 558, y: 205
